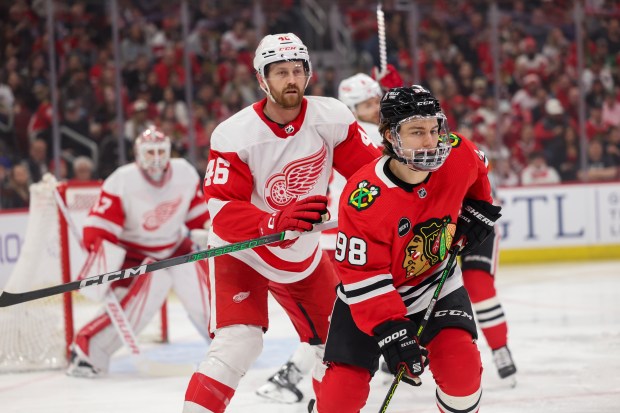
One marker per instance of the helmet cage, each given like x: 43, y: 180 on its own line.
x: 152, y: 150
x: 424, y: 159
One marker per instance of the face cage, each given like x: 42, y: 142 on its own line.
x: 423, y: 160
x: 153, y: 165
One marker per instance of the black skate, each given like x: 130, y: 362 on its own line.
x: 505, y: 365
x: 281, y: 387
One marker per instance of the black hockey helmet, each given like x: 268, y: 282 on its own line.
x: 406, y: 104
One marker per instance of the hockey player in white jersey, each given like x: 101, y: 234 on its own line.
x: 362, y: 95
x: 145, y: 207
x: 268, y: 171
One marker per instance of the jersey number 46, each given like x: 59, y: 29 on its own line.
x: 217, y: 171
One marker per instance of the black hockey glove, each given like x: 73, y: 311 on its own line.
x: 475, y: 223
x: 400, y: 347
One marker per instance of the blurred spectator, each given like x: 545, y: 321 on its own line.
x: 524, y: 147
x: 37, y: 160
x: 83, y: 169
x: 611, y: 109
x: 613, y: 145
x: 527, y: 97
x: 15, y: 193
x: 537, y: 172
x: 600, y: 165
x: 564, y: 155
x: 176, y: 107
x: 551, y: 126
x: 138, y: 121
x: 167, y: 65
x: 134, y: 45
x: 598, y: 70
x: 501, y: 174
x: 7, y: 99
x: 531, y: 61
x: 595, y: 127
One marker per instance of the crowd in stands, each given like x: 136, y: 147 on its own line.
x: 531, y: 135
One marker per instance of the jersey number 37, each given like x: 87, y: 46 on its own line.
x: 352, y: 249
x: 217, y: 171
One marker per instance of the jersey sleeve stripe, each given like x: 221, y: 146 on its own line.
x: 103, y: 224
x: 368, y: 282
x: 197, y: 211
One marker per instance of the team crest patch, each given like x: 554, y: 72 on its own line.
x: 429, y: 245
x: 363, y: 196
x: 455, y: 140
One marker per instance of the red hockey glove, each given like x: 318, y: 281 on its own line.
x: 476, y: 222
x: 400, y: 347
x: 388, y: 80
x: 298, y: 216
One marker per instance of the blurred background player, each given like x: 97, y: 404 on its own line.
x: 146, y: 208
x: 304, y: 137
x: 362, y: 95
x: 399, y: 217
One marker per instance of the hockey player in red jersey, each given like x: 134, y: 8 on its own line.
x: 398, y: 217
x: 268, y: 171
x: 479, y: 268
x: 145, y: 207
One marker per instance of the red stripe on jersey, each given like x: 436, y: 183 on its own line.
x: 110, y: 208
x: 90, y: 235
x: 281, y: 132
x: 238, y: 219
x: 353, y: 153
x: 282, y: 265
x: 197, y: 202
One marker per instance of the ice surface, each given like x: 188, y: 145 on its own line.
x: 564, y: 323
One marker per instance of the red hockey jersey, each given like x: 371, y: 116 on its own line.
x: 394, y: 237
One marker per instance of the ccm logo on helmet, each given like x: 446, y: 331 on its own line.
x: 393, y: 337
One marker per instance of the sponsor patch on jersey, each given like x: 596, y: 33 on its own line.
x: 404, y: 226
x: 455, y: 140
x: 364, y: 195
x: 428, y: 245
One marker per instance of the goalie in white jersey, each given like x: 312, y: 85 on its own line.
x: 268, y: 172
x: 146, y: 208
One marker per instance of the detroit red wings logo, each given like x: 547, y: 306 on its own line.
x: 297, y: 179
x: 162, y: 213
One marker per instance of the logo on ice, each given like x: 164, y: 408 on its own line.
x: 113, y: 276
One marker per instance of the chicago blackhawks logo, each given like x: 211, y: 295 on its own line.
x: 364, y: 196
x: 297, y: 179
x: 429, y: 245
x: 162, y: 213
x: 455, y: 140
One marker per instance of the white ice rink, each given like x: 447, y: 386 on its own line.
x: 564, y: 323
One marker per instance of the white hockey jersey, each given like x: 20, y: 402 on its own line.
x: 257, y: 167
x: 337, y: 183
x: 147, y: 219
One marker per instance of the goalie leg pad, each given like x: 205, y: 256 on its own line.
x: 457, y: 369
x: 230, y: 355
x: 189, y: 282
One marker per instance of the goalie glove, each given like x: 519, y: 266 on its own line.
x: 399, y: 347
x: 103, y: 258
x: 475, y: 223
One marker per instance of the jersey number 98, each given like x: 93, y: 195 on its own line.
x: 217, y: 171
x: 352, y: 249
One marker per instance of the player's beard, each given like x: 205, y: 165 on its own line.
x: 288, y: 100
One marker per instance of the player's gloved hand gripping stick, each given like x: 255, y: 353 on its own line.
x: 8, y: 299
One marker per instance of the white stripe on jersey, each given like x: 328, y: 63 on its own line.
x: 104, y: 224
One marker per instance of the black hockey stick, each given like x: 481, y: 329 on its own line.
x: 429, y: 310
x: 8, y: 299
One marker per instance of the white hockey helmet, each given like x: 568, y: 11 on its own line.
x: 152, y: 151
x: 278, y: 48
x: 357, y: 89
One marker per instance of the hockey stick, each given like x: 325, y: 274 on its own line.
x: 429, y: 310
x: 382, y: 44
x: 8, y: 299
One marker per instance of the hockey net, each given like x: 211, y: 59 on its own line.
x: 36, y: 335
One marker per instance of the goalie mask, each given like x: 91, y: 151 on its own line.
x: 283, y: 47
x: 403, y: 105
x: 357, y: 89
x: 152, y: 150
